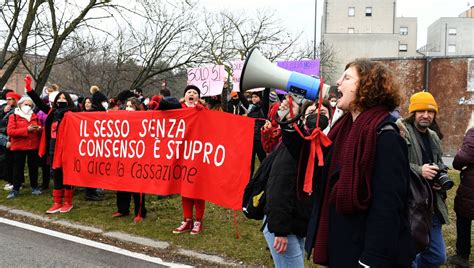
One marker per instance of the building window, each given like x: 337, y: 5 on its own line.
x: 403, y: 30
x: 350, y: 30
x: 402, y: 47
x: 451, y: 48
x: 351, y: 12
x: 368, y: 11
x: 452, y: 31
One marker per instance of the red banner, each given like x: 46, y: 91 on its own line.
x: 198, y: 154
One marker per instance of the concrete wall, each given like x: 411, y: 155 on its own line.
x: 410, y: 38
x: 448, y: 83
x: 338, y: 21
x: 438, y: 37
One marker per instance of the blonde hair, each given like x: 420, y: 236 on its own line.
x: 52, y: 88
x: 94, y: 89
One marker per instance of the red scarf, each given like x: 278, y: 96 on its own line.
x: 354, y: 156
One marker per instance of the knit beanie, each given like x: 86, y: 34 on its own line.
x: 193, y: 87
x: 273, y: 96
x: 422, y: 101
x: 13, y: 95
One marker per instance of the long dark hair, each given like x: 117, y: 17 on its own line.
x: 83, y: 105
x: 70, y: 103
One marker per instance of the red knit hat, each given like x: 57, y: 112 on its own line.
x: 13, y: 95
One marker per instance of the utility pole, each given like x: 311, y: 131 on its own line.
x: 315, y: 48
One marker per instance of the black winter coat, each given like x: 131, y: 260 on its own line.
x: 286, y: 214
x: 464, y: 161
x: 378, y: 237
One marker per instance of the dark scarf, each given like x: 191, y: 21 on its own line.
x: 353, y: 157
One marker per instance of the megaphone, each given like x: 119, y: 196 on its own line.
x: 258, y: 71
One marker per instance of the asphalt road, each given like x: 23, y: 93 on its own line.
x: 21, y: 247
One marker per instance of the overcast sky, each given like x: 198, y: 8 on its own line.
x: 298, y: 15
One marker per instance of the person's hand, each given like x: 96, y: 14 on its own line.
x: 28, y: 80
x: 280, y: 244
x: 436, y: 187
x: 8, y: 145
x: 285, y: 105
x: 7, y: 108
x: 429, y: 171
x: 268, y: 125
x: 32, y: 128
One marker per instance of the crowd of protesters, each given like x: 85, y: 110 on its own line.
x: 339, y: 178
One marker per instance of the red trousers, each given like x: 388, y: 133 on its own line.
x: 188, y: 204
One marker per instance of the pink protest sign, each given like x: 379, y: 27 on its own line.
x: 209, y: 79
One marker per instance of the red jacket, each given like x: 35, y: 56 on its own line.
x: 20, y: 138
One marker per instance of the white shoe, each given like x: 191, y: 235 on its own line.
x: 8, y: 187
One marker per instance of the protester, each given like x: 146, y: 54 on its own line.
x: 124, y: 198
x: 359, y: 217
x: 99, y: 100
x: 287, y: 207
x: 24, y: 130
x: 60, y: 105
x: 237, y: 104
x: 191, y: 99
x: 425, y: 154
x: 464, y: 200
x: 87, y: 106
x: 6, y: 164
x: 258, y: 109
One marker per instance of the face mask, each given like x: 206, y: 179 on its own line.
x: 311, y: 121
x: 26, y: 109
x: 333, y: 103
x: 61, y: 104
x: 129, y: 109
x: 105, y: 105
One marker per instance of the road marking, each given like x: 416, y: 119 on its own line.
x: 91, y: 243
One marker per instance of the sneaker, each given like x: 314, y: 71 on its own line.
x: 185, y: 226
x: 13, y: 194
x: 36, y: 191
x: 197, y: 228
x: 137, y: 219
x: 459, y: 260
x: 8, y: 187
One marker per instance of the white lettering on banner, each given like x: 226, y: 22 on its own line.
x: 209, y: 79
x: 161, y: 128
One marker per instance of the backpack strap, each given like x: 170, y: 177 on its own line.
x: 387, y: 126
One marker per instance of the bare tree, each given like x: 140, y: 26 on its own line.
x: 19, y: 16
x: 166, y: 42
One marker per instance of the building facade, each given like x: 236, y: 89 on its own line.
x: 366, y: 29
x: 451, y: 36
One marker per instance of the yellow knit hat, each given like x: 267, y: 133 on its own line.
x: 422, y: 101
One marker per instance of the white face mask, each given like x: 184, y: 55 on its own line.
x: 26, y: 109
x: 333, y: 103
x: 129, y: 109
x: 105, y: 105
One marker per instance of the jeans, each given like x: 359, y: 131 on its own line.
x: 435, y: 255
x: 294, y: 254
x: 463, y: 236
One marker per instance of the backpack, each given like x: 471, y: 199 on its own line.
x: 419, y: 204
x: 254, y: 199
x: 420, y: 210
